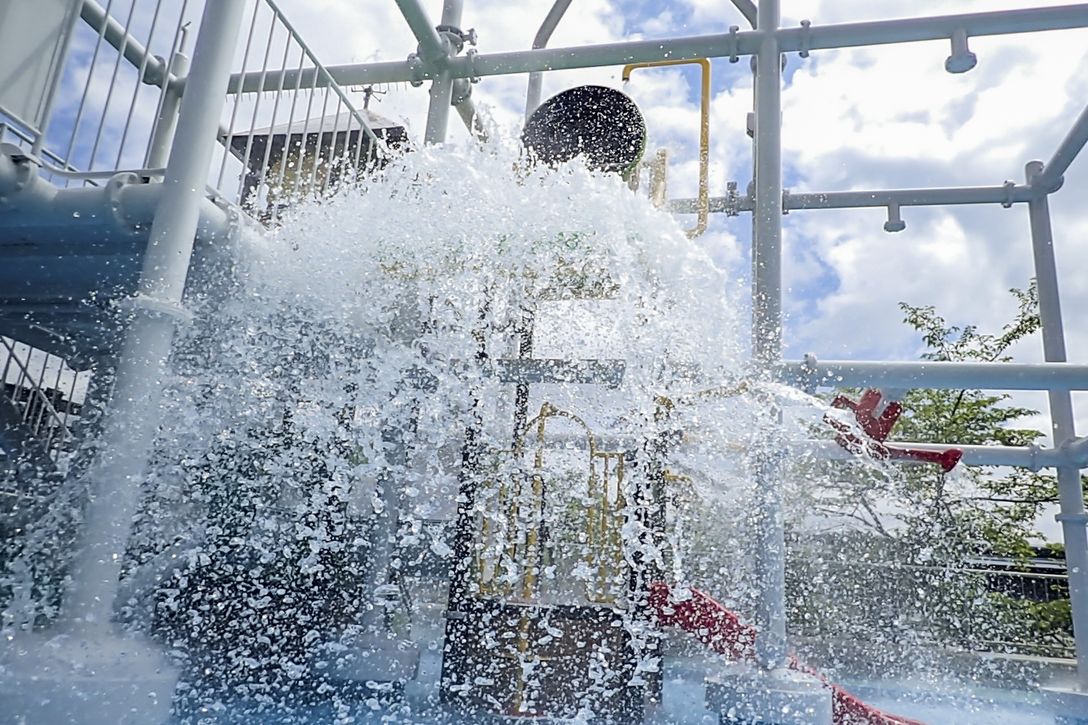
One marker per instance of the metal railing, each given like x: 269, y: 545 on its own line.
x: 117, y: 77
x: 299, y: 137
x: 116, y: 98
x: 46, y: 393
x: 998, y: 610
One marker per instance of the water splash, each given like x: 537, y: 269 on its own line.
x: 322, y: 400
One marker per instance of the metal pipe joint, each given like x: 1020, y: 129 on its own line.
x: 1042, y: 179
x: 962, y: 59
x: 1075, y: 451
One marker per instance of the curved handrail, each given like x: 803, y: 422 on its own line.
x: 543, y: 35
x: 703, y: 201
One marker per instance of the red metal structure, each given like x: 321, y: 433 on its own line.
x: 723, y: 632
x: 876, y: 421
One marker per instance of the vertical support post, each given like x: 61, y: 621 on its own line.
x: 438, y: 112
x: 767, y: 228
x: 167, y: 122
x: 543, y: 35
x: 384, y: 531
x: 133, y: 416
x: 769, y: 541
x: 1073, y: 519
x: 56, y: 74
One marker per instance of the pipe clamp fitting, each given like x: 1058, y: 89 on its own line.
x: 733, y: 45
x: 470, y: 57
x: 1009, y: 187
x: 114, y: 188
x: 415, y: 67
x: 806, y: 38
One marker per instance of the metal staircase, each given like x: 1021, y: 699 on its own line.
x: 40, y: 401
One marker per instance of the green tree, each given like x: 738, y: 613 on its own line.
x: 985, y: 510
x: 924, y: 526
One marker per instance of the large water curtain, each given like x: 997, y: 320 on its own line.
x: 348, y: 395
x: 362, y: 339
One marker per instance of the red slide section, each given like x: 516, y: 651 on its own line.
x: 877, y: 423
x: 722, y: 631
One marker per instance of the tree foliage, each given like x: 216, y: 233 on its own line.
x: 983, y: 509
x: 919, y: 531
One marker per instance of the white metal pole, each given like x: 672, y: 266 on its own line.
x: 438, y: 112
x: 1050, y: 178
x: 466, y: 109
x: 1006, y: 194
x: 431, y: 47
x: 117, y: 35
x: 932, y: 374
x: 163, y: 136
x: 61, y: 54
x: 813, y: 37
x: 937, y: 27
x: 1076, y: 452
x: 1030, y: 457
x: 767, y: 244
x: 543, y: 35
x: 384, y: 527
x: 133, y: 415
x: 748, y: 9
x: 1071, y: 497
x: 770, y: 548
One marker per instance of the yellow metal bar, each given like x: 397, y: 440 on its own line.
x: 532, y: 536
x: 602, y: 552
x: 513, y: 514
x: 594, y: 528
x: 611, y: 550
x: 483, y: 583
x: 702, y: 205
x: 603, y: 524
x: 617, y: 522
x: 596, y: 554
x: 664, y: 406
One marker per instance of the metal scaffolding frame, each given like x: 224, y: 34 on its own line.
x: 132, y: 421
x: 720, y: 45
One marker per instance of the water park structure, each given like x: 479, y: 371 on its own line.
x: 109, y: 220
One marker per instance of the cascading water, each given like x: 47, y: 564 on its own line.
x: 465, y: 385
x: 386, y: 313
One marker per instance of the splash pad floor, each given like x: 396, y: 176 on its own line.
x: 683, y: 704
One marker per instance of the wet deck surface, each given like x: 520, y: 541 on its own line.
x: 683, y: 704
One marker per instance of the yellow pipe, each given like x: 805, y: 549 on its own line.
x: 703, y: 203
x: 591, y: 515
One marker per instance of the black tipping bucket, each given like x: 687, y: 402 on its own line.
x: 597, y: 122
